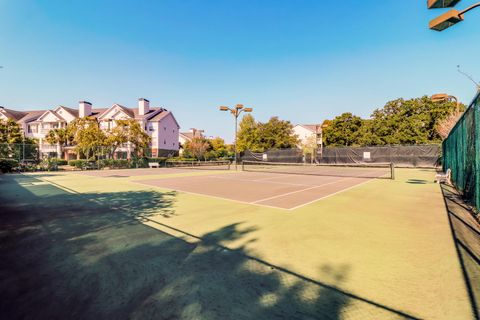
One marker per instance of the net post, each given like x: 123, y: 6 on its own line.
x: 392, y: 170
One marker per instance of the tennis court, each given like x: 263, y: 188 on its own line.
x: 373, y: 248
x: 284, y: 186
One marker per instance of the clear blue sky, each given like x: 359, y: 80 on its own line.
x: 301, y: 60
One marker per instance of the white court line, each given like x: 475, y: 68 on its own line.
x: 329, y: 195
x: 261, y: 181
x: 210, y: 196
x: 322, y: 185
x: 292, y: 192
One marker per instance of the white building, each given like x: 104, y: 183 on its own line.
x: 185, y: 137
x: 308, y: 131
x: 159, y: 123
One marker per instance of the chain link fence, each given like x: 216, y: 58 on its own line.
x: 461, y: 154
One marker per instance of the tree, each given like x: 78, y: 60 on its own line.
x: 124, y: 132
x: 414, y: 121
x: 87, y: 136
x: 10, y: 132
x: 343, y: 130
x: 276, y: 134
x: 197, y: 147
x: 13, y: 144
x: 60, y: 137
x: 411, y: 121
x: 248, y: 135
x: 218, y: 149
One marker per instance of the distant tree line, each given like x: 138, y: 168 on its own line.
x: 414, y: 121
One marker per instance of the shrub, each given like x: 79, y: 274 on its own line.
x: 59, y: 162
x: 7, y: 165
x: 81, y: 164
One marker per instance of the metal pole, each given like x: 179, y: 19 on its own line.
x: 235, y: 143
x: 23, y: 144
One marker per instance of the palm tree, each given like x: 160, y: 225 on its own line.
x: 59, y: 137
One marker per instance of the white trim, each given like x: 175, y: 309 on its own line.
x: 53, y: 113
x: 112, y: 107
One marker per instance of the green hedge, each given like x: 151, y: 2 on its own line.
x: 116, y: 164
x: 7, y: 165
x: 83, y: 164
x: 59, y: 162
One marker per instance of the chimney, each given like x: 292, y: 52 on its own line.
x: 143, y: 106
x: 84, y: 109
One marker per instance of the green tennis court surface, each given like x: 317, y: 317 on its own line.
x: 135, y: 244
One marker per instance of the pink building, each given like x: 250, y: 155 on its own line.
x: 159, y: 123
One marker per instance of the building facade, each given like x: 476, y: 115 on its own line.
x: 307, y: 133
x: 185, y: 137
x: 157, y: 122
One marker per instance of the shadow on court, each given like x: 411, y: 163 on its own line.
x: 78, y: 256
x: 417, y: 181
x: 466, y: 234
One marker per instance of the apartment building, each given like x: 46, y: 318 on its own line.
x: 158, y: 122
x: 307, y: 133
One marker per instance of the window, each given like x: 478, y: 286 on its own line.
x: 164, y: 128
x: 164, y: 142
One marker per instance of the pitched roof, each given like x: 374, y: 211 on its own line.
x: 52, y: 112
x: 187, y: 135
x: 73, y: 112
x: 150, y: 114
x: 12, y: 114
x: 31, y: 116
x: 97, y: 112
x: 311, y: 127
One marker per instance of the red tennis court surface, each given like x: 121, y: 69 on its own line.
x: 284, y: 191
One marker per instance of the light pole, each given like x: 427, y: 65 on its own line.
x: 236, y: 111
x: 450, y: 17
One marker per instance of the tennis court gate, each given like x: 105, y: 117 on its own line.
x: 461, y: 154
x: 414, y: 156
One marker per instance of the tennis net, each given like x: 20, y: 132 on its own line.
x: 205, y: 165
x: 354, y: 170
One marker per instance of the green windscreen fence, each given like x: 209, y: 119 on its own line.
x: 461, y: 154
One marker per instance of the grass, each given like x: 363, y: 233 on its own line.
x: 109, y: 247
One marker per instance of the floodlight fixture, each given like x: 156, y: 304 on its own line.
x: 247, y: 110
x: 239, y: 106
x: 433, y: 4
x: 450, y: 18
x: 446, y: 20
x: 439, y: 97
x: 223, y: 108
